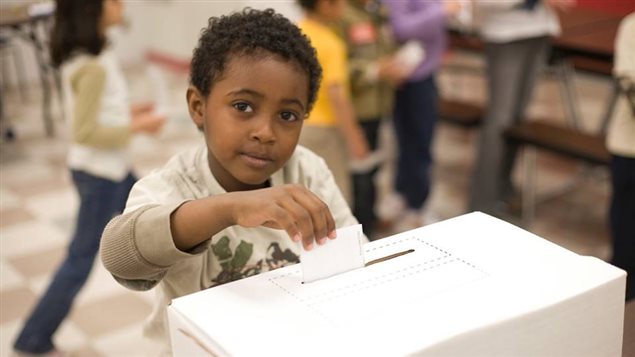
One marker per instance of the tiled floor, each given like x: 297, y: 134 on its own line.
x: 37, y: 208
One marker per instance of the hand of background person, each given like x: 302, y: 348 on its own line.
x: 147, y: 122
x: 561, y: 5
x: 292, y: 208
x: 391, y: 71
x: 140, y: 108
x: 452, y: 7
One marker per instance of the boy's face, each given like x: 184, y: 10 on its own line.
x: 251, y: 119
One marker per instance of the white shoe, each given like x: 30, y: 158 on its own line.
x: 430, y: 217
x: 413, y: 219
x: 392, y: 207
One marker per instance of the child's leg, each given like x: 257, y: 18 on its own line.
x: 95, y: 211
x: 414, y: 122
x: 622, y: 211
x: 364, y: 191
x: 121, y: 196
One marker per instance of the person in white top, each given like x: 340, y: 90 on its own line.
x: 621, y: 144
x: 516, y: 34
x: 101, y: 125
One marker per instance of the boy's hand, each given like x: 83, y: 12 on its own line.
x: 290, y: 207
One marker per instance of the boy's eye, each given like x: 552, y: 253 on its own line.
x: 243, y: 107
x: 288, y: 116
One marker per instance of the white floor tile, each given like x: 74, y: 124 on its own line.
x: 33, y: 170
x: 7, y: 198
x: 8, y: 333
x: 127, y: 342
x: 100, y: 285
x: 29, y: 237
x: 54, y: 206
x: 69, y: 337
x: 9, y: 277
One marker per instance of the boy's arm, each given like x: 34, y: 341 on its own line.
x: 196, y: 221
x: 343, y: 109
x: 137, y: 247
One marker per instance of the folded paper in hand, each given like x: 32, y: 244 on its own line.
x: 337, y: 256
x: 410, y: 55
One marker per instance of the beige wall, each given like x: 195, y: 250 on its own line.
x: 171, y: 27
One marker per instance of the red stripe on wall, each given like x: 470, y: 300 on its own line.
x: 621, y: 7
x: 173, y: 63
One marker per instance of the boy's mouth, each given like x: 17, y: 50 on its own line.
x: 256, y: 160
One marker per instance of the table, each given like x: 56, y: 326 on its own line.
x: 585, y: 43
x: 30, y: 20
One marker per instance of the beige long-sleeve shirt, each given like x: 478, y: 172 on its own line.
x: 138, y: 249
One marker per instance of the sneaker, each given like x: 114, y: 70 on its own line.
x: 391, y: 207
x: 413, y: 219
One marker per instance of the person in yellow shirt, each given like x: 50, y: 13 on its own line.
x: 331, y: 130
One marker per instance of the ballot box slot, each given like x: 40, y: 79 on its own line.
x: 388, y: 257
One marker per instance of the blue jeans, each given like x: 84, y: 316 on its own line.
x: 415, y: 117
x: 100, y: 200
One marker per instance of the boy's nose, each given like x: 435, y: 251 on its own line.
x: 263, y: 130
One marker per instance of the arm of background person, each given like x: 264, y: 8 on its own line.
x: 424, y: 23
x: 88, y: 85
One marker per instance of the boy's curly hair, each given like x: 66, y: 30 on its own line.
x: 251, y: 32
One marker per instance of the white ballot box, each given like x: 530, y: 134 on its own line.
x: 468, y: 286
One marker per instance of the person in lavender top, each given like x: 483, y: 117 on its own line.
x: 415, y: 112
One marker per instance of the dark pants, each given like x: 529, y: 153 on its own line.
x: 415, y: 117
x: 100, y: 200
x: 622, y: 218
x: 364, y: 191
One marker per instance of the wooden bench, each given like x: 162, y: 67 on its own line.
x: 569, y: 142
x: 460, y: 113
x: 562, y: 140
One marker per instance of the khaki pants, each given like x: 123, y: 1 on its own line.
x: 329, y: 143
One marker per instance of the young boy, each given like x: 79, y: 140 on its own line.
x: 238, y: 205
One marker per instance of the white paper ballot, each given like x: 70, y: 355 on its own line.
x: 410, y: 55
x: 337, y: 256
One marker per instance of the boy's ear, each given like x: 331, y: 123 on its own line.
x: 196, y: 106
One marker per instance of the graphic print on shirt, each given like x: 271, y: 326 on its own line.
x: 234, y: 264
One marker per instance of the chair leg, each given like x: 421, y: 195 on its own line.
x: 529, y: 187
x: 567, y: 86
x: 20, y: 74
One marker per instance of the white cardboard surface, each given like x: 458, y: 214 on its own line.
x: 474, y: 285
